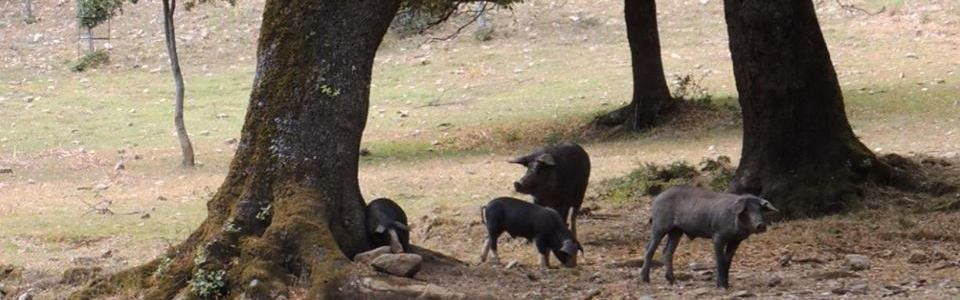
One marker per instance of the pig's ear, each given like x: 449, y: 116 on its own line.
x: 768, y: 206
x: 380, y: 229
x: 740, y: 205
x: 523, y: 160
x: 401, y: 226
x: 546, y: 159
x: 569, y: 247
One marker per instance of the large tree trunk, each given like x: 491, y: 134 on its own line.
x: 289, y: 212
x: 650, y: 93
x: 186, y: 148
x: 798, y: 148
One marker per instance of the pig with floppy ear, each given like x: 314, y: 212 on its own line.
x: 544, y: 158
x: 751, y: 219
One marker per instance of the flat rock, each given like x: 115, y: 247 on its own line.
x: 696, y: 266
x: 367, y: 257
x: 402, y: 264
x: 742, y: 294
x: 857, y: 262
x: 830, y: 275
x: 407, y: 289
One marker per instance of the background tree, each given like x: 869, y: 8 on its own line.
x: 290, y: 207
x: 798, y: 148
x: 28, y: 12
x: 170, y: 34
x: 92, y: 13
x: 651, y: 96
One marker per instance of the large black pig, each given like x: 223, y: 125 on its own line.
x: 557, y: 178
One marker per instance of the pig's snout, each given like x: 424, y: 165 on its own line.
x: 762, y: 227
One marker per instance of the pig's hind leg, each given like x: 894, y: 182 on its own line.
x: 655, y: 237
x: 673, y: 239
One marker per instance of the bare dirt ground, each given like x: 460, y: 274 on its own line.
x: 550, y: 62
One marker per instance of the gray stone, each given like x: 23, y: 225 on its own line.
x: 369, y: 256
x: 774, y: 281
x: 402, y: 264
x: 742, y: 294
x: 859, y: 289
x: 700, y: 266
x: 857, y: 262
x: 6, y: 171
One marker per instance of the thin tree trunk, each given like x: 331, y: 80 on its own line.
x: 186, y: 148
x: 798, y: 147
x: 28, y: 12
x: 651, y: 95
x: 90, y: 44
x: 289, y: 212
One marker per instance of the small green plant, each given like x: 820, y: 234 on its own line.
x: 483, y: 33
x: 231, y: 227
x: 329, y: 91
x: 264, y: 212
x: 651, y: 179
x: 163, y: 266
x: 199, y: 255
x: 207, y: 284
x: 91, y: 60
x: 689, y: 87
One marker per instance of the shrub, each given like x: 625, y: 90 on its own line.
x: 91, y: 60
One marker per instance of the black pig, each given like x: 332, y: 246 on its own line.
x: 556, y: 177
x: 387, y: 225
x: 524, y: 219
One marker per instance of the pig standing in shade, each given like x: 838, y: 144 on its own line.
x: 387, y: 225
x: 725, y: 218
x: 524, y: 219
x: 557, y: 178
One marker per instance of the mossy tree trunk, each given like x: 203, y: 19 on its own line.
x: 798, y: 148
x: 289, y: 212
x: 170, y: 34
x: 651, y: 95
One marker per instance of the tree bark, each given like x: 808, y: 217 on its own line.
x: 290, y: 211
x: 651, y: 95
x: 186, y: 147
x: 798, y: 148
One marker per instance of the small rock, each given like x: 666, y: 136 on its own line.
x: 859, y: 289
x: 364, y: 152
x: 700, y: 266
x: 25, y: 296
x: 785, y: 260
x: 912, y: 55
x: 402, y: 264
x: 742, y: 294
x: 101, y: 187
x: 367, y: 257
x: 107, y: 254
x: 511, y: 264
x: 28, y: 99
x: 6, y: 171
x: 222, y: 116
x: 774, y: 281
x: 161, y: 198
x: 119, y: 166
x: 230, y: 141
x: 205, y: 133
x: 145, y: 216
x: 857, y: 262
x: 918, y: 257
